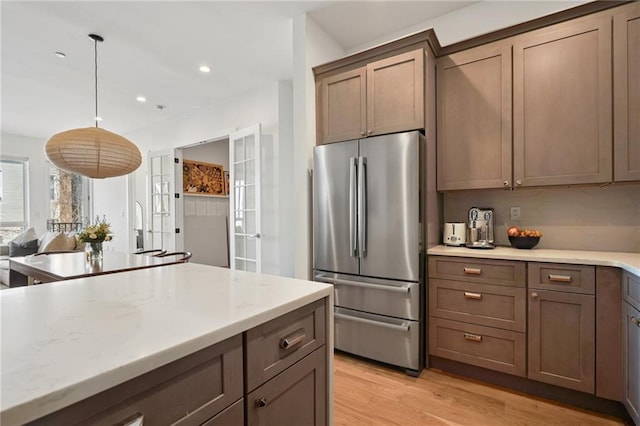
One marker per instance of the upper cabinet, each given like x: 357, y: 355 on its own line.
x: 556, y: 106
x: 626, y: 95
x: 380, y: 97
x: 562, y: 104
x: 474, y: 118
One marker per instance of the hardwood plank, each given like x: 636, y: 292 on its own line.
x: 368, y: 393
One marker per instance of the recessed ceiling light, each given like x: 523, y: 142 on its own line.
x: 205, y: 68
x: 141, y: 99
x: 60, y: 55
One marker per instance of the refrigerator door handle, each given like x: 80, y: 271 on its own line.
x: 322, y: 278
x: 404, y: 327
x: 353, y: 172
x: 362, y: 206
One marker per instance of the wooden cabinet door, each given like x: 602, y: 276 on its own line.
x: 474, y: 118
x: 626, y: 96
x: 562, y: 104
x: 297, y: 396
x: 395, y: 93
x: 631, y: 354
x: 561, y: 338
x: 341, y: 107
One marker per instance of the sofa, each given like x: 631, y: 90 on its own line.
x: 28, y: 243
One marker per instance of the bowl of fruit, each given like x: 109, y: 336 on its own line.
x: 523, y: 238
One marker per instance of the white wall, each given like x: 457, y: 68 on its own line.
x: 110, y: 200
x: 33, y: 148
x: 311, y: 46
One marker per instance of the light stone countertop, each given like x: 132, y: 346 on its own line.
x: 65, y: 341
x: 627, y: 261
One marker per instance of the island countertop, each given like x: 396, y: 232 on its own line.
x: 65, y: 341
x: 627, y: 261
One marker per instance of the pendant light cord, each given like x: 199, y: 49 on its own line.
x: 95, y: 43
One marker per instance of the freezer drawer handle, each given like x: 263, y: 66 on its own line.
x: 474, y: 296
x: 293, y: 339
x: 472, y: 271
x: 473, y: 337
x: 404, y: 327
x: 403, y: 289
x: 560, y: 278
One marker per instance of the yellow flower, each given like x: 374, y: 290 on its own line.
x: 93, y: 236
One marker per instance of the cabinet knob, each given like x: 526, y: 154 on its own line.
x: 369, y: 132
x: 362, y: 133
x: 262, y: 402
x: 518, y: 182
x: 635, y: 321
x: 534, y: 295
x: 505, y: 183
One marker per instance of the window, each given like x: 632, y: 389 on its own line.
x: 14, y: 196
x: 68, y: 198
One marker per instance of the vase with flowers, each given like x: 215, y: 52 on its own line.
x: 94, y: 235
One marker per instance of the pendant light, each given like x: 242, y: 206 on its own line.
x: 92, y: 151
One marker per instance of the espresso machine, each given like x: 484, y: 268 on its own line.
x: 480, y: 228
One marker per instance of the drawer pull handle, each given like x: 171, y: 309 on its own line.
x: 474, y: 296
x: 293, y: 339
x: 635, y: 321
x: 135, y: 420
x: 472, y: 271
x: 261, y: 403
x: 473, y: 337
x: 560, y: 278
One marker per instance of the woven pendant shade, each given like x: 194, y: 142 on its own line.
x: 93, y: 152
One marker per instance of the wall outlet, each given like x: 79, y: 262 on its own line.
x: 515, y: 213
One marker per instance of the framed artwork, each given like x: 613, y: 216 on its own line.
x: 200, y: 178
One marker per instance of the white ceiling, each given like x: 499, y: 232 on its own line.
x: 155, y: 48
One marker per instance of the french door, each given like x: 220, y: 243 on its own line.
x: 244, y: 200
x: 165, y: 201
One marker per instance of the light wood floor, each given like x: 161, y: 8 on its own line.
x: 370, y: 394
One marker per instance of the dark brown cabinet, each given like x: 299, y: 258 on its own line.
x: 381, y: 97
x: 561, y: 325
x: 626, y: 95
x: 474, y: 118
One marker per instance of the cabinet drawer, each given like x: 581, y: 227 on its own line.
x: 274, y: 346
x: 485, y: 271
x: 188, y: 391
x: 482, y: 304
x: 492, y: 348
x: 631, y: 289
x: 563, y: 277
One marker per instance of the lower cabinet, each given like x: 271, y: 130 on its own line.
x: 631, y: 346
x: 561, y: 338
x: 297, y: 396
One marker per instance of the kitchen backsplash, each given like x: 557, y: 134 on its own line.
x: 582, y: 218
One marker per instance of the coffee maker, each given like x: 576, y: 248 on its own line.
x: 480, y: 228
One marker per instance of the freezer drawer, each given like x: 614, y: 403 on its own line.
x: 385, y: 297
x: 377, y: 337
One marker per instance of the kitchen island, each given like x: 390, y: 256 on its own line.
x: 68, y: 341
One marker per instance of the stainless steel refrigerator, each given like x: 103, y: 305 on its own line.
x: 367, y: 234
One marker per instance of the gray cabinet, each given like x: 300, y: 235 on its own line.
x: 561, y: 325
x: 477, y: 312
x: 474, y: 118
x: 562, y: 118
x: 631, y: 345
x: 383, y: 96
x: 286, y: 376
x: 626, y: 95
x: 189, y: 391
